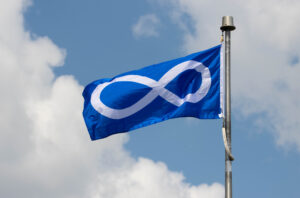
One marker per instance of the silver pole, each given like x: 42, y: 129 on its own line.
x: 227, y: 26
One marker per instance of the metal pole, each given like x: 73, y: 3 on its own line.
x: 227, y: 26
x: 228, y: 168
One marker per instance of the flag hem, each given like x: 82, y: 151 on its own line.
x: 221, y: 115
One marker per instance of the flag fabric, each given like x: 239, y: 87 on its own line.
x: 191, y: 86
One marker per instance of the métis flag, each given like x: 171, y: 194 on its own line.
x: 191, y: 86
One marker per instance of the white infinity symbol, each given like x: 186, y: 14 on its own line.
x: 158, y: 89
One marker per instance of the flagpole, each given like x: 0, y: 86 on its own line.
x: 227, y: 27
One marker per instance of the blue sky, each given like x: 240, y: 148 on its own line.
x: 55, y: 48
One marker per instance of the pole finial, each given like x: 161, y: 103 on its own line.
x: 227, y: 23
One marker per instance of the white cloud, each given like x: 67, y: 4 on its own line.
x: 146, y: 26
x: 266, y: 38
x: 44, y: 145
x: 145, y: 178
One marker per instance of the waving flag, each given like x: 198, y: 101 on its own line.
x: 185, y: 87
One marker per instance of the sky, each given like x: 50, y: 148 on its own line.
x: 50, y: 50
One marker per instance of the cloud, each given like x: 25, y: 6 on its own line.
x: 145, y: 178
x: 146, y: 26
x: 264, y: 46
x: 44, y: 145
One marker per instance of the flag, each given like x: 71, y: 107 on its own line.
x: 190, y: 86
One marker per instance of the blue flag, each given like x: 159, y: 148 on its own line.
x: 185, y: 87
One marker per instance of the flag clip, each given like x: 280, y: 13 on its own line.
x: 222, y: 37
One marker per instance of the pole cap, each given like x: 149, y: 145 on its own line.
x: 227, y: 23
